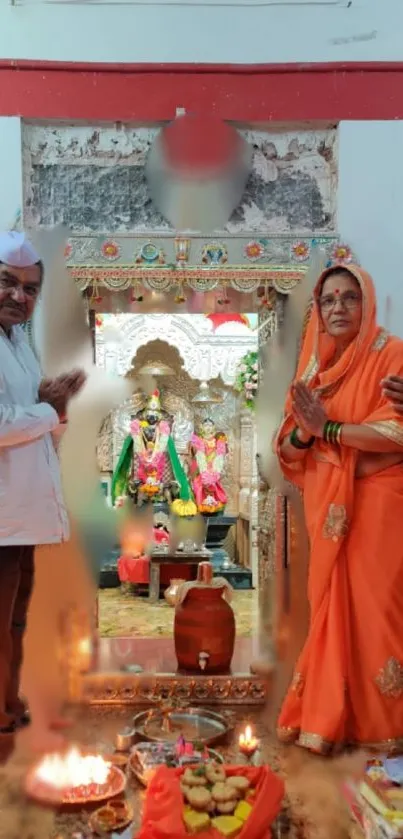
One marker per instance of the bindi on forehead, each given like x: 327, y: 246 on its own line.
x: 339, y: 284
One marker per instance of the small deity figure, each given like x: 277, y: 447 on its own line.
x: 208, y: 451
x: 149, y: 469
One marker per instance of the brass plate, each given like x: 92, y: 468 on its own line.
x: 45, y: 794
x: 196, y: 725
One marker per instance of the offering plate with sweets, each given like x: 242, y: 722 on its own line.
x: 147, y: 757
x: 213, y: 801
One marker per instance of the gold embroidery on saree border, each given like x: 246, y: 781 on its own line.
x: 336, y: 524
x: 311, y: 370
x: 388, y: 428
x: 287, y: 734
x: 390, y: 679
x: 307, y: 739
x: 297, y: 684
x: 325, y: 747
x: 380, y: 341
x: 390, y: 747
x: 314, y: 741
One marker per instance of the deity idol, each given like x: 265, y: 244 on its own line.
x: 149, y: 469
x: 208, y: 451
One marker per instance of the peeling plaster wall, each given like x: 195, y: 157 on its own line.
x: 368, y: 207
x: 92, y: 178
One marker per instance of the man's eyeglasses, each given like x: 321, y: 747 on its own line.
x: 11, y: 286
x: 349, y: 300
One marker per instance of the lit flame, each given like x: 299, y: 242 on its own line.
x: 73, y: 770
x: 247, y: 739
x: 85, y: 647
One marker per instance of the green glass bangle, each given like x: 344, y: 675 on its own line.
x: 331, y: 432
x: 297, y: 443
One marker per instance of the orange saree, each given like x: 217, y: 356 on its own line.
x: 348, y: 681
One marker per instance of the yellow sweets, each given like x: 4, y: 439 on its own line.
x: 243, y: 811
x: 228, y: 826
x: 195, y: 822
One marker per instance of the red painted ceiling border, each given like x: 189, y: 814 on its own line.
x: 243, y: 93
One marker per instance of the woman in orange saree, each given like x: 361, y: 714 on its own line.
x: 341, y: 443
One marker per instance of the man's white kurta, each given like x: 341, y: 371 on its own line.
x: 32, y: 510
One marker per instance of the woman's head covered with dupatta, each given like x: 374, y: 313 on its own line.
x: 341, y: 328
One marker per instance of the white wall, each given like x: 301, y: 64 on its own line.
x: 10, y: 171
x: 370, y: 30
x: 370, y: 206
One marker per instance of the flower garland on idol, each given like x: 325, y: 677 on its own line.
x: 247, y: 381
x: 210, y: 460
x: 151, y: 459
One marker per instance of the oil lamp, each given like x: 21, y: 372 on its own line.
x: 84, y: 654
x: 248, y: 743
x: 74, y: 778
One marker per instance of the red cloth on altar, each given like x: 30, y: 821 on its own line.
x: 163, y: 806
x: 136, y: 570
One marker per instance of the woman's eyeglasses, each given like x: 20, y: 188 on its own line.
x: 349, y: 300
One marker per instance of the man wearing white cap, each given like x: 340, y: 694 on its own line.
x: 31, y: 504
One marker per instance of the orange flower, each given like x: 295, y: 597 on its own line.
x: 149, y: 489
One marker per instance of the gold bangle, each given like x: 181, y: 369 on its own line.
x: 338, y: 434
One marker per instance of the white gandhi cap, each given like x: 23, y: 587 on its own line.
x: 16, y: 250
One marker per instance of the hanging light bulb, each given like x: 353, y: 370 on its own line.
x: 156, y: 368
x: 207, y: 396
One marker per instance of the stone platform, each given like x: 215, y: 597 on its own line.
x: 313, y: 808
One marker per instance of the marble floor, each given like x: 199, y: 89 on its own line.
x: 313, y: 808
x: 122, y: 614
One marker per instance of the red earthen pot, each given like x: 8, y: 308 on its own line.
x: 204, y: 631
